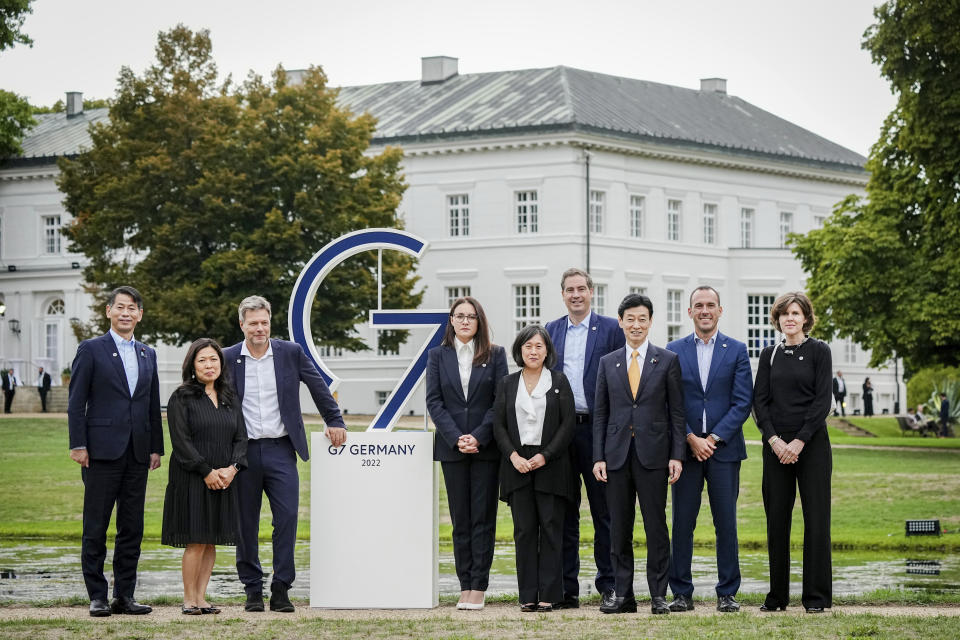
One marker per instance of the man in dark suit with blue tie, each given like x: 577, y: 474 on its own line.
x: 718, y: 395
x: 267, y: 375
x: 116, y: 436
x: 638, y: 445
x: 581, y: 338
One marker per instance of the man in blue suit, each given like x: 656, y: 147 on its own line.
x: 718, y: 394
x: 267, y: 375
x: 638, y: 429
x: 113, y: 414
x: 581, y: 338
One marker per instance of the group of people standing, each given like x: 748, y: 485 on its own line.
x: 595, y: 402
x: 236, y: 430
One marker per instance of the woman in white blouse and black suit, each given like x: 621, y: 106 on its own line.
x: 462, y: 376
x: 534, y: 418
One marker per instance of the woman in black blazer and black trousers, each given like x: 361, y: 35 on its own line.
x: 534, y: 420
x: 462, y: 376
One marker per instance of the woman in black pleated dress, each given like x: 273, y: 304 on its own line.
x: 209, y: 448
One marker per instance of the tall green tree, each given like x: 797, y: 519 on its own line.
x: 885, y: 269
x: 16, y: 116
x: 199, y: 193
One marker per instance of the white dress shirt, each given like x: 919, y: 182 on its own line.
x: 574, y: 356
x: 531, y: 407
x: 465, y: 351
x: 127, y: 351
x: 704, y: 360
x: 640, y: 357
x: 261, y: 403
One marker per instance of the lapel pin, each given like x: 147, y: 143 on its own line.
x: 724, y: 345
x: 653, y: 361
x: 114, y: 354
x: 618, y: 364
x: 556, y: 390
x: 484, y: 365
x: 801, y: 358
x: 593, y: 328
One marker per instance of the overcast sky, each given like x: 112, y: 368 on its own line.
x: 800, y: 60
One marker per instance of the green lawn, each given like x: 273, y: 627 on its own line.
x: 873, y: 493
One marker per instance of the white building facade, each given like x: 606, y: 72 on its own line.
x: 512, y: 176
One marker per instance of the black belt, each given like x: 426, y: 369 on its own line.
x: 583, y: 418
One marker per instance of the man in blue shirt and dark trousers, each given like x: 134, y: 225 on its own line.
x: 718, y: 393
x: 581, y: 338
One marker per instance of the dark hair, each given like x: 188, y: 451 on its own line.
x: 481, y: 339
x: 126, y: 290
x: 703, y: 287
x: 635, y: 300
x: 190, y: 383
x: 573, y: 271
x: 528, y: 333
x: 806, y: 307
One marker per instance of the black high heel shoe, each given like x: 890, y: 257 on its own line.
x: 769, y: 607
x: 814, y: 609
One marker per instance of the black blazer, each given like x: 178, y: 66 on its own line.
x: 557, y: 476
x: 455, y: 416
x: 656, y: 418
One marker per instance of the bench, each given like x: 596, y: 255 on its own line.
x: 907, y: 425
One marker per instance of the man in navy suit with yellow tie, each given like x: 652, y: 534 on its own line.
x: 638, y: 445
x: 113, y: 414
x: 581, y: 338
x: 718, y: 394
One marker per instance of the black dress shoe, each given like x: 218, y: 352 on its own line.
x: 279, y: 600
x: 727, y: 604
x: 814, y: 609
x: 570, y: 602
x: 770, y: 607
x: 129, y: 606
x: 607, y: 598
x: 658, y: 604
x: 543, y: 607
x: 530, y: 607
x: 681, y: 603
x: 99, y: 608
x: 254, y: 602
x: 211, y: 609
x: 620, y: 604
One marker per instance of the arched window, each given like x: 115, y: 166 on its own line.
x: 55, y: 307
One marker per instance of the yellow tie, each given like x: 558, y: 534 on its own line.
x: 633, y: 373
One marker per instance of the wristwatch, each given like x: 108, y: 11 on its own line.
x: 717, y: 440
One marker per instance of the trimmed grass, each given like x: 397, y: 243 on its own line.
x: 451, y: 624
x: 873, y: 493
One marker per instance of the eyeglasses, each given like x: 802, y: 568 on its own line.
x: 461, y: 317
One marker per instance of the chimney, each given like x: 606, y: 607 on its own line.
x: 714, y: 85
x: 295, y: 77
x: 74, y: 103
x: 437, y: 69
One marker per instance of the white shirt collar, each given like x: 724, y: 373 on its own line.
x: 118, y: 339
x: 463, y: 347
x: 711, y: 340
x: 583, y: 323
x: 244, y: 351
x: 641, y: 356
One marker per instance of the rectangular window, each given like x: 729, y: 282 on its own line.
x: 51, y: 234
x: 759, y: 332
x: 674, y: 210
x: 526, y: 305
x: 639, y: 290
x: 746, y: 228
x: 637, y: 222
x: 456, y: 292
x: 818, y: 221
x: 458, y: 211
x: 600, y: 298
x: 709, y: 224
x: 596, y: 211
x: 51, y: 341
x: 786, y: 227
x: 850, y: 351
x: 674, y: 314
x: 526, y: 210
x: 382, y: 397
x: 326, y: 351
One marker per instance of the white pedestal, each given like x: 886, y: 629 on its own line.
x: 373, y: 522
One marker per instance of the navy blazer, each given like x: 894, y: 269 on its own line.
x: 728, y: 397
x: 291, y: 366
x: 557, y: 476
x: 604, y: 336
x: 455, y: 415
x: 101, y: 414
x: 656, y: 416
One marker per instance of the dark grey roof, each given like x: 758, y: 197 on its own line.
x: 566, y: 99
x: 56, y: 134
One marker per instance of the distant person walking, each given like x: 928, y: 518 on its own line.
x: 43, y: 388
x: 867, y: 398
x: 839, y: 393
x: 9, y: 388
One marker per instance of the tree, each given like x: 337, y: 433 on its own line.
x: 15, y: 112
x: 885, y: 269
x: 199, y: 194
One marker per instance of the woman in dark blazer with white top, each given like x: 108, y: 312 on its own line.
x: 462, y: 376
x: 534, y: 420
